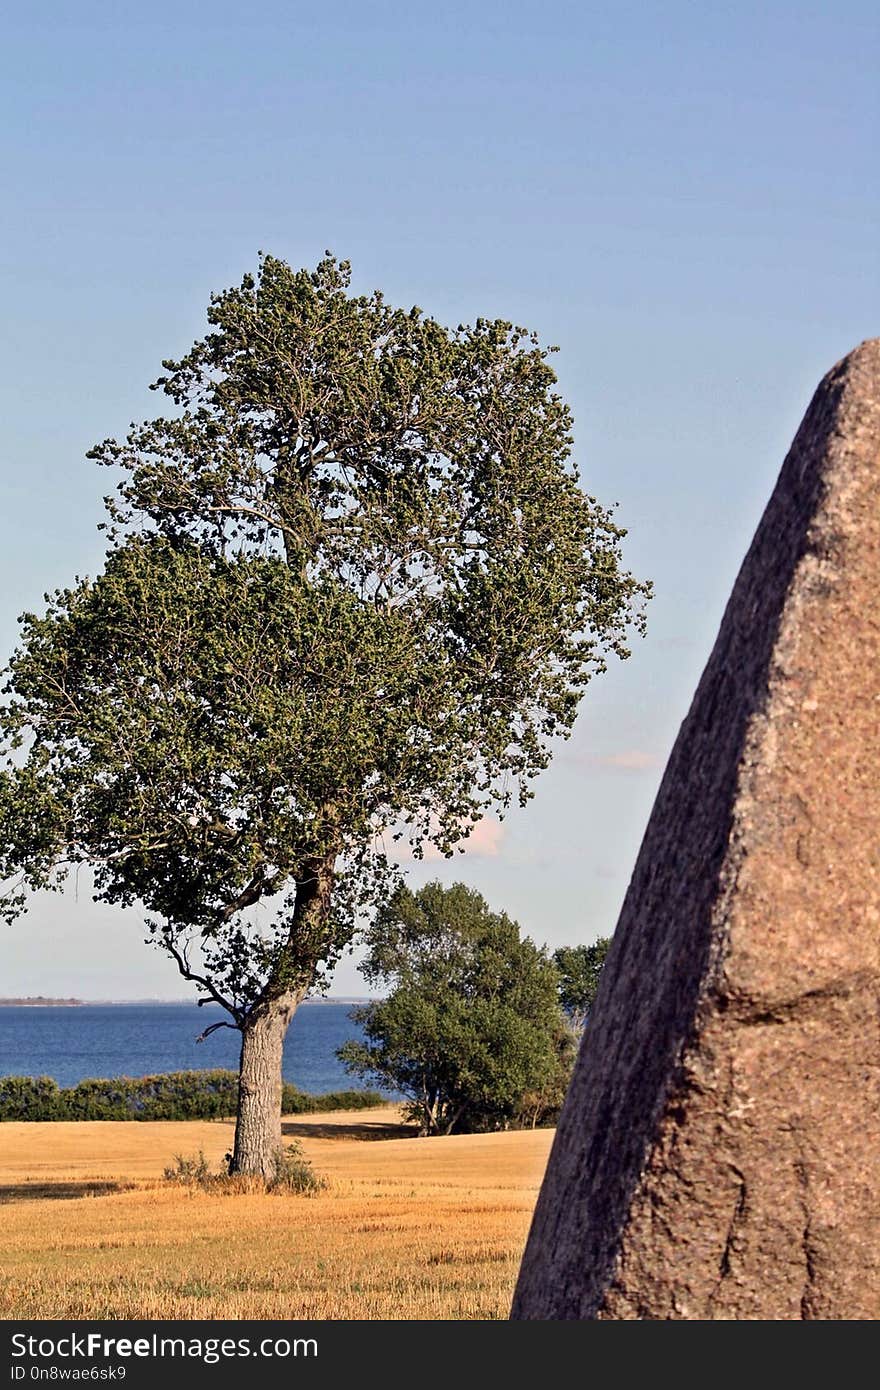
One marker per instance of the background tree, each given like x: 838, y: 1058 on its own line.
x: 356, y: 591
x: 580, y: 968
x: 471, y: 1025
x: 540, y: 1105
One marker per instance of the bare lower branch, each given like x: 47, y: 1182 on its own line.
x: 189, y: 974
x: 221, y: 1023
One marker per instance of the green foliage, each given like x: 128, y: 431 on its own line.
x: 471, y: 1031
x: 357, y: 588
x: 173, y: 1096
x: 541, y: 1105
x: 296, y: 1102
x: 31, y: 1098
x: 185, y: 1095
x: 294, y: 1172
x: 579, y: 970
x: 188, y: 1171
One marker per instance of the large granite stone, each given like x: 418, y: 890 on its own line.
x: 718, y: 1155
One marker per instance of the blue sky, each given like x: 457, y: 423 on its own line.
x: 683, y: 197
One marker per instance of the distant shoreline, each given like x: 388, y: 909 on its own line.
x: 39, y: 1002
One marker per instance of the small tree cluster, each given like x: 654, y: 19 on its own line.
x: 472, y: 1031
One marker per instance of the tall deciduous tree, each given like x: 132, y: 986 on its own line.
x: 355, y: 590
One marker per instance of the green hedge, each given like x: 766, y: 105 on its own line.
x: 178, y: 1095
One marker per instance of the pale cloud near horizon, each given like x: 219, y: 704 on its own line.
x: 486, y: 837
x: 630, y: 760
x: 625, y: 760
x: 484, y: 842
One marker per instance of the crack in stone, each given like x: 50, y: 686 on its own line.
x: 737, y: 1220
x: 755, y: 1013
x: 808, y: 1309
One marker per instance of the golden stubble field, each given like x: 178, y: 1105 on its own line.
x: 408, y: 1228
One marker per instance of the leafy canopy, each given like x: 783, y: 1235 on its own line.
x: 471, y: 1030
x: 580, y: 968
x: 354, y: 590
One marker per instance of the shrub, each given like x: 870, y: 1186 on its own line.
x: 295, y: 1102
x: 190, y: 1172
x: 31, y: 1098
x: 181, y: 1095
x: 294, y: 1172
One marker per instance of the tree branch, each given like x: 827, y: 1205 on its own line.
x: 222, y: 1023
x: 189, y: 974
x: 248, y: 896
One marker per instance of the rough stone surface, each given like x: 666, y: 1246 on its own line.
x: 718, y: 1155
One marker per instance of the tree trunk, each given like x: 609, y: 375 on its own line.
x: 258, y: 1121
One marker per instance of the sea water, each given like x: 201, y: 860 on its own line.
x: 71, y: 1043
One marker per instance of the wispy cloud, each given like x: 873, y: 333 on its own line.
x: 484, y: 842
x: 486, y: 838
x: 624, y: 760
x: 630, y: 760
